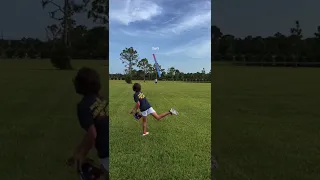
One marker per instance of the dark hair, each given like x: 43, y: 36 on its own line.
x: 136, y: 87
x: 87, y: 82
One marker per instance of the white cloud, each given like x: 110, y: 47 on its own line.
x: 198, y: 19
x: 195, y: 49
x: 128, y: 11
x: 139, y: 33
x: 130, y: 33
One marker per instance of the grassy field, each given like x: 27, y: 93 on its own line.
x: 39, y: 128
x: 178, y: 147
x: 38, y: 123
x: 265, y: 123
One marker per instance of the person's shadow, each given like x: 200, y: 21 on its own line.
x: 214, y: 163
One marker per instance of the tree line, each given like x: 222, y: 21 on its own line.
x: 65, y: 39
x: 278, y: 50
x: 86, y: 44
x: 144, y: 69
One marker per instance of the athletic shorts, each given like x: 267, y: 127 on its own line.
x: 147, y: 112
x: 105, y: 163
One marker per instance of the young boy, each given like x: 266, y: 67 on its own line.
x: 145, y: 108
x: 93, y: 117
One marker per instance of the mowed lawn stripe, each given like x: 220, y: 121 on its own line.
x: 175, y: 148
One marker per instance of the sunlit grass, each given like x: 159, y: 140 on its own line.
x: 178, y: 147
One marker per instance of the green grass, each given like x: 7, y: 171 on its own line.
x: 178, y: 147
x: 38, y: 123
x: 266, y: 123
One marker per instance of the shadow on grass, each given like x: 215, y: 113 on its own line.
x: 214, y: 163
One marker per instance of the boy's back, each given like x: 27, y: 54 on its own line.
x: 144, y: 103
x: 94, y: 110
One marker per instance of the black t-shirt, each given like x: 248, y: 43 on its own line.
x: 144, y: 103
x: 93, y: 110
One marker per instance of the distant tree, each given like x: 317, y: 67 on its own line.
x: 216, y: 35
x: 163, y: 71
x: 1, y: 52
x: 296, y: 35
x: 32, y: 53
x: 21, y: 53
x: 141, y: 74
x: 150, y: 71
x: 53, y: 32
x: 317, y: 34
x: 203, y: 72
x: 130, y: 58
x: 143, y: 65
x: 296, y: 31
x: 171, y: 72
x: 96, y: 42
x: 63, y: 14
x: 208, y: 76
x: 278, y: 50
x: 9, y: 52
x: 99, y: 11
x: 177, y: 74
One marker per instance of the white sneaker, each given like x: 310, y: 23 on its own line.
x: 174, y: 112
x: 144, y: 134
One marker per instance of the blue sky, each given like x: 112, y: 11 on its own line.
x: 180, y: 28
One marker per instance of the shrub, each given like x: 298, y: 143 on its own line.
x: 128, y: 79
x: 9, y: 53
x: 60, y: 58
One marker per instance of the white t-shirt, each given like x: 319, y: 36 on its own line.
x: 156, y: 80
